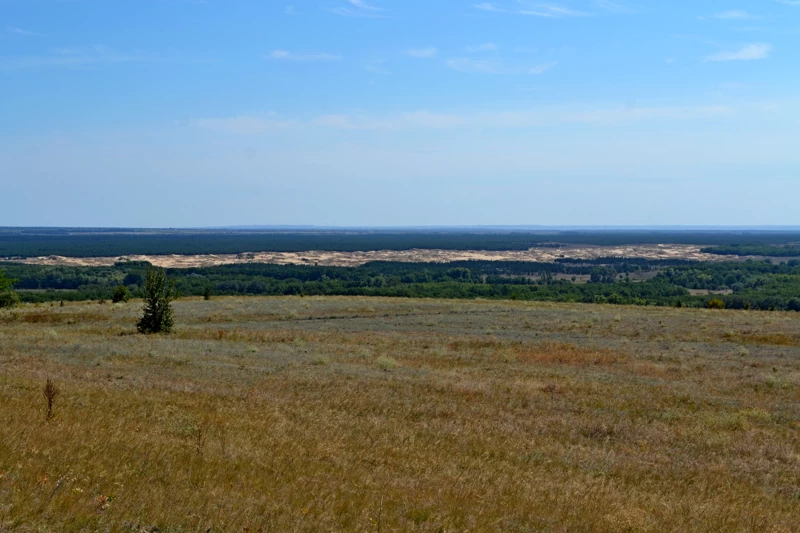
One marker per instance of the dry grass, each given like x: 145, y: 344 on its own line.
x: 352, y: 414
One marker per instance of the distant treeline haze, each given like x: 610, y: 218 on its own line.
x: 34, y: 242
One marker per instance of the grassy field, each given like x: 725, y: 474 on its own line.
x: 356, y: 414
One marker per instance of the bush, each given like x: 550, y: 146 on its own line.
x: 616, y: 299
x: 121, y: 294
x: 386, y: 363
x: 793, y: 304
x: 715, y: 303
x: 8, y: 299
x: 159, y: 294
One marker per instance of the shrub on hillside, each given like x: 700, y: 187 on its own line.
x: 8, y: 298
x: 121, y: 294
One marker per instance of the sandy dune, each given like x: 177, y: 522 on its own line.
x: 544, y: 255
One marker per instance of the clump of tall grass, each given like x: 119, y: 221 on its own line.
x: 386, y: 363
x: 320, y: 360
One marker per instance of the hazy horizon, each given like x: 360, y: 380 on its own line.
x: 491, y: 227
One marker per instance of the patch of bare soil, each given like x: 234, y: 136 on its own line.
x: 706, y: 292
x: 352, y: 259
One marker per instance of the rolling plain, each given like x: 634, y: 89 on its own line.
x: 377, y: 414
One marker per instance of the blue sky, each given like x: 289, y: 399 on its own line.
x: 399, y: 112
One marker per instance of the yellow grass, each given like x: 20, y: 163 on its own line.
x: 355, y: 414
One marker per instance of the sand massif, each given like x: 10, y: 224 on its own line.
x: 352, y: 259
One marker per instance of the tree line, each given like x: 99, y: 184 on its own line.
x: 788, y: 250
x: 751, y: 284
x: 32, y: 242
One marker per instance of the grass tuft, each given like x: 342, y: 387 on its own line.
x: 386, y: 363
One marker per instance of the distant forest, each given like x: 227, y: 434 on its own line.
x: 758, y: 285
x: 789, y: 250
x: 33, y: 242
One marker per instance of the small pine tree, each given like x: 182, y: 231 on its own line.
x: 121, y: 294
x: 207, y: 293
x: 158, y: 296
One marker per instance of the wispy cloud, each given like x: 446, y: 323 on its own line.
x: 551, y: 10
x: 361, y: 4
x: 541, y: 69
x: 243, y: 125
x: 427, y: 120
x: 402, y: 121
x: 735, y: 14
x: 615, y: 7
x: 422, y: 53
x: 488, y: 6
x: 732, y: 85
x: 731, y: 15
x: 627, y: 114
x: 358, y: 8
x: 485, y: 47
x: 534, y: 9
x: 376, y: 67
x: 285, y: 55
x: 477, y: 66
x: 746, y: 53
x: 19, y: 31
x: 83, y: 56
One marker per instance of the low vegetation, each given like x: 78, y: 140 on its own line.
x: 373, y: 414
x: 121, y: 294
x: 93, y: 242
x: 789, y: 250
x: 8, y: 298
x: 755, y: 285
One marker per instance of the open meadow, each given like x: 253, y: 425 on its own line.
x: 376, y: 414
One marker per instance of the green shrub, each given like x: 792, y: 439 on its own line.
x: 8, y: 299
x: 616, y: 299
x: 386, y: 363
x: 159, y: 293
x: 121, y: 294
